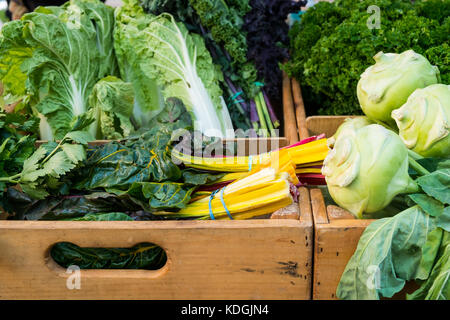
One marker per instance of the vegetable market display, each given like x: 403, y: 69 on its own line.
x: 85, y: 71
x: 221, y: 59
x: 393, y: 165
x: 334, y: 43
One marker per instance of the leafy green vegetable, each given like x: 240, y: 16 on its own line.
x: 142, y: 256
x: 436, y: 185
x: 332, y: 45
x: 387, y: 255
x: 67, y: 207
x: 112, y: 216
x: 437, y: 286
x: 428, y: 204
x: 180, y: 63
x: 51, y: 161
x: 15, y: 148
x: 112, y: 102
x: 62, y: 52
x: 159, y: 196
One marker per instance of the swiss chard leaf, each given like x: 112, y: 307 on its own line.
x: 142, y: 256
x: 66, y: 207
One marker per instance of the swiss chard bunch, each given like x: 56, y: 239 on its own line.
x: 412, y: 245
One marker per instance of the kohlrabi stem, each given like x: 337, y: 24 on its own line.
x: 414, y: 155
x: 417, y: 167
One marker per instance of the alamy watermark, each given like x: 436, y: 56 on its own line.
x: 74, y: 280
x: 374, y: 21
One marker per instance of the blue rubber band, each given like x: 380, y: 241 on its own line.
x: 223, y: 203
x: 259, y: 84
x: 250, y: 163
x: 211, y: 197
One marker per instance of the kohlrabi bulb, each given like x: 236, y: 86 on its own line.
x: 387, y: 84
x: 366, y: 169
x: 424, y: 121
x: 348, y: 124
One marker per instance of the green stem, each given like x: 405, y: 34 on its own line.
x: 414, y: 155
x: 417, y: 167
x: 266, y: 113
x: 54, y: 151
x: 11, y: 178
x: 261, y: 117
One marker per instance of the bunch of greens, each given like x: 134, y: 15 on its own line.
x: 117, y: 181
x: 42, y: 170
x: 412, y: 245
x: 69, y: 180
x: 54, y: 56
x: 247, y: 47
x: 332, y: 45
x: 177, y: 61
x: 15, y: 147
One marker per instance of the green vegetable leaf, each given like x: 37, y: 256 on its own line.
x: 428, y: 204
x: 142, y: 256
x: 429, y: 253
x: 436, y: 185
x: 443, y: 221
x: 82, y: 137
x: 112, y: 103
x: 112, y: 216
x: 179, y: 62
x: 61, y: 53
x: 387, y: 255
x: 437, y: 286
x: 75, y: 152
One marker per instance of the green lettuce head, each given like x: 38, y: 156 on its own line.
x: 366, y: 169
x: 387, y: 84
x: 424, y: 121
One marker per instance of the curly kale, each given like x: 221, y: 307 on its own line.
x: 332, y: 46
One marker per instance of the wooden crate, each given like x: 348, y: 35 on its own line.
x: 250, y: 259
x: 336, y: 231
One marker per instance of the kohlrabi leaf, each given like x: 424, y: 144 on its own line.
x: 428, y: 204
x: 429, y: 253
x: 436, y: 185
x: 437, y: 286
x: 443, y: 221
x: 388, y: 254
